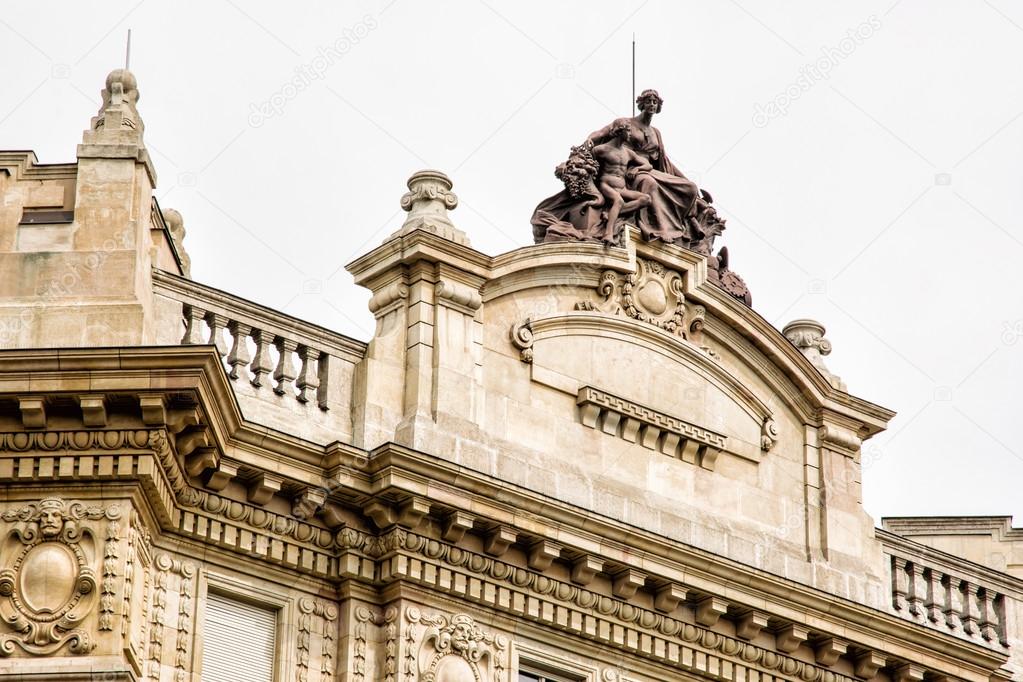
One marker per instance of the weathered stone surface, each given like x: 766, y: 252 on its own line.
x: 580, y: 462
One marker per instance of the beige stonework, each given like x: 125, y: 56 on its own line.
x: 585, y: 462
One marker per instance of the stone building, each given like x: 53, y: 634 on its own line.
x: 567, y: 462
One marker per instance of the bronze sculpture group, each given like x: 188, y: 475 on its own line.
x: 621, y: 175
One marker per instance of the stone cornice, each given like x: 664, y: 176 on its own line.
x: 908, y: 526
x: 396, y: 476
x: 167, y: 369
x: 27, y: 167
x: 391, y: 465
x: 418, y: 245
x: 570, y: 608
x: 736, y: 318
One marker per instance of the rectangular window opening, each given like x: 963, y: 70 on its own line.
x: 239, y: 641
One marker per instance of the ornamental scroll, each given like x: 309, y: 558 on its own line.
x: 454, y: 649
x: 59, y: 561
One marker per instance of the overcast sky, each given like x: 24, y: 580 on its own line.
x: 867, y: 156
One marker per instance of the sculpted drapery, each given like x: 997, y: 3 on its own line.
x: 621, y: 174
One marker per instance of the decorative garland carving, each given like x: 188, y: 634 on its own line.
x: 166, y: 567
x: 138, y: 560
x: 410, y: 668
x: 325, y: 614
x: 305, y: 611
x: 48, y: 580
x: 390, y: 644
x: 108, y: 587
x: 156, y: 632
x: 329, y: 615
x: 363, y: 616
x: 186, y: 596
x: 457, y: 644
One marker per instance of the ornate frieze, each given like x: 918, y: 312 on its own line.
x: 48, y: 577
x: 572, y: 609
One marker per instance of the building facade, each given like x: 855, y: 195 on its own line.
x: 567, y: 462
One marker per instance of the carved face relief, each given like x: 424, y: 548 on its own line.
x: 51, y: 518
x: 456, y: 649
x: 48, y: 584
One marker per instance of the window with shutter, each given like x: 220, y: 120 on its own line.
x: 239, y: 641
x: 533, y: 675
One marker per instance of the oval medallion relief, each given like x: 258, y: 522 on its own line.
x: 48, y: 577
x: 653, y: 297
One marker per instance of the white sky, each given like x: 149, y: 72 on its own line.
x: 885, y: 202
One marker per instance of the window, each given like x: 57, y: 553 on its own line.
x: 532, y: 674
x: 239, y: 640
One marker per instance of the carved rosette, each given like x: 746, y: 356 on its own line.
x: 48, y: 577
x: 453, y: 649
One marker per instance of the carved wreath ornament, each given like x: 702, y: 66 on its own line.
x: 48, y: 582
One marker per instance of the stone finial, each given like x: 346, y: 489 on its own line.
x: 428, y: 201
x: 116, y: 130
x: 176, y: 227
x: 118, y: 111
x: 808, y: 337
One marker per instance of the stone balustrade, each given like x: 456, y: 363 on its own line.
x: 947, y: 594
x: 261, y: 347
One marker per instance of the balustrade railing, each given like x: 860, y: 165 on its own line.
x: 262, y: 346
x: 942, y: 592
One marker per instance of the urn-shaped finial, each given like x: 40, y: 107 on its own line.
x: 808, y: 337
x: 428, y: 201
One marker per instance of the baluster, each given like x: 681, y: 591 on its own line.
x: 971, y: 609
x: 935, y: 597
x: 285, y: 372
x: 194, y: 316
x: 322, y: 393
x: 308, y: 381
x: 988, y: 616
x: 899, y: 583
x: 953, y: 603
x: 239, y: 357
x: 217, y: 325
x: 916, y: 590
x: 261, y: 364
